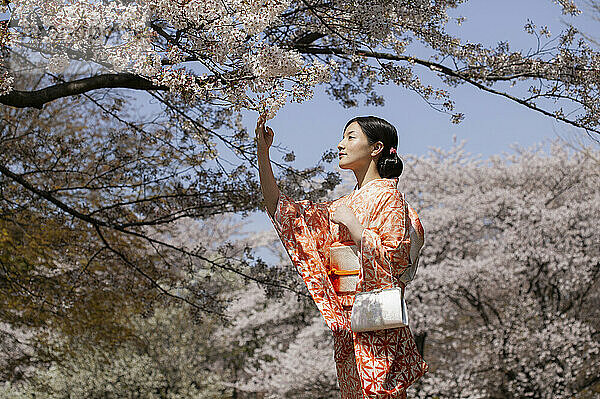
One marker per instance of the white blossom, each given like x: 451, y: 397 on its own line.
x: 252, y: 54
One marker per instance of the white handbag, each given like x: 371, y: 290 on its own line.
x: 386, y: 308
x: 378, y: 310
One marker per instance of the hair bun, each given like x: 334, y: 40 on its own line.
x: 390, y: 166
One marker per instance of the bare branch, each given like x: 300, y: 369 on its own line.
x: 37, y: 98
x: 436, y: 67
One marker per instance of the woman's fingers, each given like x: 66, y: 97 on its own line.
x: 260, y: 127
x: 264, y: 134
x: 259, y: 122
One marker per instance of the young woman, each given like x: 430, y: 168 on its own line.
x: 374, y: 217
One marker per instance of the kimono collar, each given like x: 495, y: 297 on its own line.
x: 393, y: 181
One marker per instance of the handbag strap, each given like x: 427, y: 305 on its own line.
x: 406, y: 221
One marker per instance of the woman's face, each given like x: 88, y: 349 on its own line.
x: 354, y: 151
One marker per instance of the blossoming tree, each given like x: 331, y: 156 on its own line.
x: 90, y: 201
x: 259, y: 54
x: 90, y: 207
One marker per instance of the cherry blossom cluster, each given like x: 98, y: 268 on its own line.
x: 6, y: 79
x: 261, y: 54
x: 507, y: 270
x: 223, y: 40
x: 6, y: 82
x: 82, y: 30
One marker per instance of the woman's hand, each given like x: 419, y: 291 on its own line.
x: 342, y: 214
x: 268, y: 185
x: 264, y: 135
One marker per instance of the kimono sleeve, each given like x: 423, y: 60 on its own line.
x: 303, y: 220
x: 303, y: 227
x: 385, y: 244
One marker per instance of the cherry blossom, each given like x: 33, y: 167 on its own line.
x: 262, y: 54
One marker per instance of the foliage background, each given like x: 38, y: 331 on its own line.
x: 127, y: 272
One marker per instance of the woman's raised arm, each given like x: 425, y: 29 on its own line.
x: 264, y: 139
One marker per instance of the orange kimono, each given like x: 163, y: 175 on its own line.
x: 378, y: 364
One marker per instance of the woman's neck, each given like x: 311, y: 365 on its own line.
x: 366, y: 175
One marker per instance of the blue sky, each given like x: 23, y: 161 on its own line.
x: 492, y: 123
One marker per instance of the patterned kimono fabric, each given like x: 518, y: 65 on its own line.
x: 379, y: 364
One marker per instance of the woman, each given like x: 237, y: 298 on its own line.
x: 375, y: 364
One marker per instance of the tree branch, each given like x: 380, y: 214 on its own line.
x: 37, y: 98
x: 99, y: 223
x: 434, y: 66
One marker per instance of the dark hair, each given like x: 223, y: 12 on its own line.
x: 376, y: 129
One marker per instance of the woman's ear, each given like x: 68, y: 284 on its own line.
x: 377, y: 148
